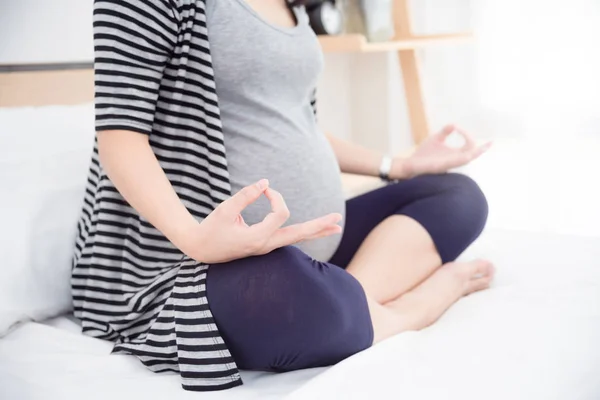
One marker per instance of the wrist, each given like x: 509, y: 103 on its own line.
x: 400, y: 168
x: 385, y: 168
x: 186, y: 235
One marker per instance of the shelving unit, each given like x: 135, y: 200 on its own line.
x: 405, y: 44
x: 354, y: 43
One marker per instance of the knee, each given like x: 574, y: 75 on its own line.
x: 451, y: 207
x: 469, y: 199
x: 463, y: 211
x: 454, y: 191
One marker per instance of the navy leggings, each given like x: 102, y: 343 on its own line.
x: 285, y: 311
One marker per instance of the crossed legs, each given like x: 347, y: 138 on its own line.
x: 405, y: 262
x: 409, y: 290
x: 392, y: 272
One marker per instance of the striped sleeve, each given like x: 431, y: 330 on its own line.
x: 133, y: 41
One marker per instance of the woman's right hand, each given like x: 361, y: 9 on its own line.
x: 225, y: 236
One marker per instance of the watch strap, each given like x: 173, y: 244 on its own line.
x: 385, y: 168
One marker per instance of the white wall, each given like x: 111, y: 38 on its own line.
x: 360, y: 96
x: 60, y: 31
x: 45, y: 31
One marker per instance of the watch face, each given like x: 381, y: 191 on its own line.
x: 331, y: 18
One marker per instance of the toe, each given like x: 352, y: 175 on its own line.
x: 483, y: 269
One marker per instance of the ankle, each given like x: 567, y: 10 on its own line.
x: 412, y: 312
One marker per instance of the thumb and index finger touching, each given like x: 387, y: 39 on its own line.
x: 470, y: 148
x: 450, y: 129
x: 248, y: 195
x: 279, y: 214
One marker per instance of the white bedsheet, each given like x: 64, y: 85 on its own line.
x: 55, y: 361
x: 534, y: 335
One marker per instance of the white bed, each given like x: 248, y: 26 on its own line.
x: 54, y: 360
x: 532, y: 336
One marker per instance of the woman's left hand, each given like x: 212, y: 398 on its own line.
x: 434, y: 156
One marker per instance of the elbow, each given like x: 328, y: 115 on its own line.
x: 107, y: 145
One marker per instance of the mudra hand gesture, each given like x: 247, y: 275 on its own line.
x: 434, y: 156
x: 225, y: 236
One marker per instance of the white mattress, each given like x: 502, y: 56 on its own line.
x: 534, y: 335
x: 54, y: 361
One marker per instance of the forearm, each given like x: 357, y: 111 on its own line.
x: 131, y: 165
x: 355, y: 159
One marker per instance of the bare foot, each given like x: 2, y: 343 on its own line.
x: 423, y: 305
x: 475, y: 275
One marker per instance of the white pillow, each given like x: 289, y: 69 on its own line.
x: 44, y: 158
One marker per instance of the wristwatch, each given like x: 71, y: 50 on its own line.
x: 385, y: 168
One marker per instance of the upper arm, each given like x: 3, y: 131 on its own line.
x: 133, y: 41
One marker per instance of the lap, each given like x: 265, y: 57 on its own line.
x: 285, y: 311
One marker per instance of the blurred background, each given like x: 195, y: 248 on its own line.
x: 529, y: 80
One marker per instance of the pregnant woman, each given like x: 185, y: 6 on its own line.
x: 214, y: 233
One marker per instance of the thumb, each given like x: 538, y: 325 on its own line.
x: 242, y: 199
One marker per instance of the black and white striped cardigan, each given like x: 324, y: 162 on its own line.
x: 153, y: 75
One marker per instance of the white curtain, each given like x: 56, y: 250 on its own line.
x: 532, y: 83
x: 534, y: 70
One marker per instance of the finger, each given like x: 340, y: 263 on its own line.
x: 486, y: 146
x: 445, y: 132
x: 464, y: 157
x: 469, y: 140
x: 246, y: 196
x: 332, y: 230
x: 477, y: 152
x: 296, y: 233
x: 277, y: 217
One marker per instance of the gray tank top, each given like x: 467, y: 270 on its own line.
x: 265, y: 76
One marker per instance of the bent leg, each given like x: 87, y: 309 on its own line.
x: 395, y: 257
x: 405, y: 231
x: 285, y: 311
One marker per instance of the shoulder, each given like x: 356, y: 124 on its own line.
x: 158, y: 17
x: 156, y: 8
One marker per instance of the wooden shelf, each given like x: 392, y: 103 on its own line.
x: 405, y: 45
x: 353, y: 43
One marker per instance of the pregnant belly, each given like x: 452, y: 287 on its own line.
x: 307, y: 175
